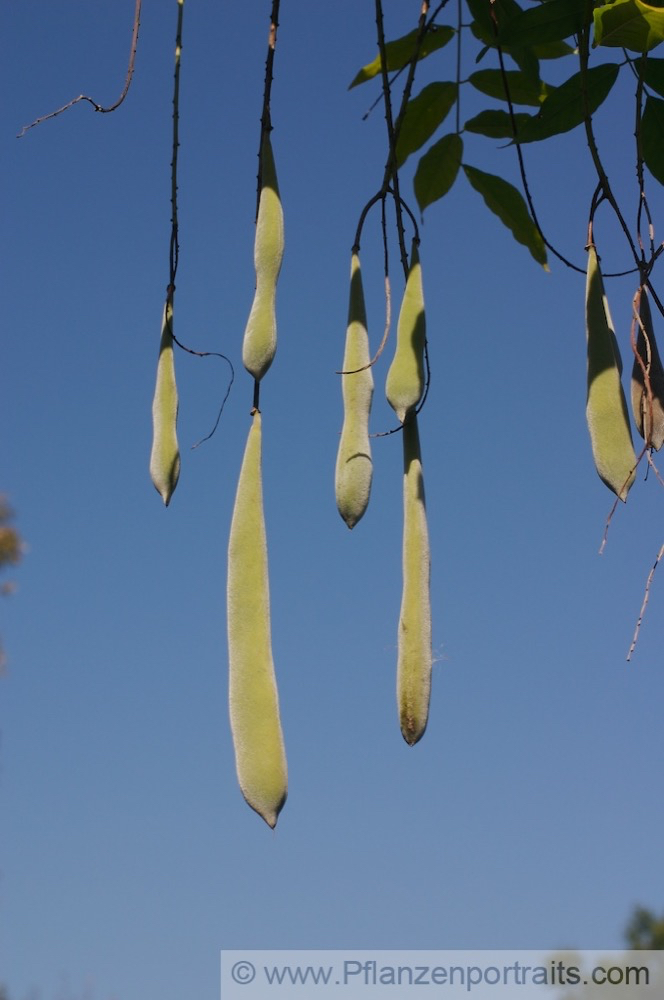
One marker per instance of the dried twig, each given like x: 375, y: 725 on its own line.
x: 84, y: 97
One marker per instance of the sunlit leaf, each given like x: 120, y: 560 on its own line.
x: 522, y: 89
x: 496, y: 124
x: 424, y: 114
x: 437, y: 170
x: 547, y: 22
x: 629, y: 24
x: 652, y: 137
x: 508, y: 204
x: 400, y: 52
x: 567, y: 106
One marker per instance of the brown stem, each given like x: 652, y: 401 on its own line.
x: 84, y: 97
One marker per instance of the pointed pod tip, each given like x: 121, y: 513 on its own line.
x: 412, y: 734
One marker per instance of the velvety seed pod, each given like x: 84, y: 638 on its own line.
x: 165, y: 455
x: 260, y: 335
x: 406, y: 376
x: 648, y: 412
x: 253, y: 700
x: 606, y: 408
x: 354, y: 466
x: 414, y: 652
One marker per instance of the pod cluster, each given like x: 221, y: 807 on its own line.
x: 405, y: 384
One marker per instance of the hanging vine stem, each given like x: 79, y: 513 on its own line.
x: 584, y: 56
x: 643, y: 201
x: 519, y: 151
x: 84, y: 97
x: 266, y: 128
x: 174, y: 249
x: 175, y: 246
x: 391, y: 176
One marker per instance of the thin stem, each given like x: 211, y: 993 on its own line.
x: 84, y: 97
x: 519, y: 153
x: 584, y: 57
x: 266, y: 114
x: 644, y: 604
x: 175, y: 246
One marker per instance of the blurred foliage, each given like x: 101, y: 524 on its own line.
x: 645, y: 931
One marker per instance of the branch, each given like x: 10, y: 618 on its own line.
x: 84, y: 97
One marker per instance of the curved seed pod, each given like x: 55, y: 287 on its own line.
x: 405, y: 379
x: 648, y: 414
x: 354, y: 468
x: 253, y: 701
x: 606, y: 408
x: 415, y: 657
x: 165, y: 456
x: 260, y: 335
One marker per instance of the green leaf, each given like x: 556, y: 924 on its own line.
x: 424, y: 114
x: 652, y: 137
x: 496, y: 124
x: 629, y: 24
x: 522, y: 89
x: 400, y: 52
x: 506, y: 11
x: 566, y: 108
x: 481, y: 12
x: 508, y: 204
x: 437, y: 170
x: 654, y: 75
x: 547, y: 22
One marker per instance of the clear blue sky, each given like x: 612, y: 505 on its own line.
x: 530, y: 815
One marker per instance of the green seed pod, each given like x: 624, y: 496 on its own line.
x: 165, y: 456
x: 606, y: 408
x: 648, y: 413
x: 260, y: 335
x: 414, y: 657
x: 354, y: 468
x: 405, y: 378
x: 253, y: 700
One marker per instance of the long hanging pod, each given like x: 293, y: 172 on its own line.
x: 648, y: 408
x: 414, y: 655
x: 260, y: 757
x: 165, y: 455
x: 606, y: 408
x: 354, y: 466
x: 253, y: 701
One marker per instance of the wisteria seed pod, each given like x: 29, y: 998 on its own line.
x: 414, y: 651
x: 260, y: 335
x: 606, y: 408
x: 406, y: 376
x: 253, y: 700
x: 648, y: 412
x: 354, y: 466
x: 165, y: 455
